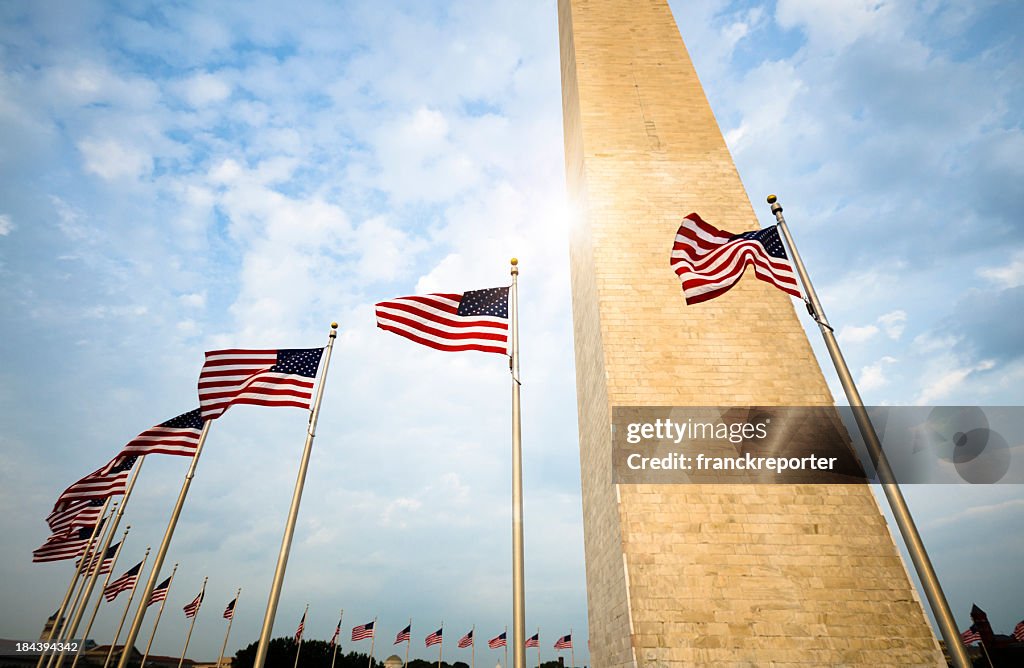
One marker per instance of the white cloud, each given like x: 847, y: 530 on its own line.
x: 834, y: 24
x: 873, y: 376
x: 894, y: 323
x: 203, y: 89
x: 978, y: 513
x: 111, y: 159
x: 193, y: 300
x: 854, y: 334
x: 6, y: 225
x: 948, y: 381
x: 1010, y: 275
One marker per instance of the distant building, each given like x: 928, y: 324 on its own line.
x: 394, y: 661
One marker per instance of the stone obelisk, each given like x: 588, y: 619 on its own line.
x: 698, y: 574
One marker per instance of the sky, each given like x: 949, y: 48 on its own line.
x: 180, y: 178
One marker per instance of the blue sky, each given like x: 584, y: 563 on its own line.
x: 177, y: 179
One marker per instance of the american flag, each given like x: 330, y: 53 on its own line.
x: 709, y: 261
x: 259, y: 377
x: 337, y: 632
x: 105, y: 564
x: 969, y: 636
x: 177, y: 436
x: 362, y: 632
x: 123, y: 583
x: 474, y: 320
x: 302, y: 627
x: 534, y: 640
x: 64, y: 546
x: 466, y: 640
x: 192, y: 608
x: 497, y: 641
x: 159, y: 592
x: 75, y: 514
x: 1018, y: 631
x: 565, y: 642
x: 229, y: 612
x: 109, y: 480
x: 435, y: 637
x: 404, y: 634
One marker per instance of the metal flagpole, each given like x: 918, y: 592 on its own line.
x: 127, y: 606
x: 440, y: 645
x: 84, y: 560
x: 99, y: 599
x: 145, y: 604
x: 900, y: 511
x: 231, y: 621
x: 987, y: 657
x: 161, y: 553
x: 472, y: 648
x: 408, y: 641
x: 74, y: 580
x: 188, y: 636
x: 301, y: 636
x: 93, y: 563
x: 518, y: 575
x: 538, y: 647
x: 506, y: 647
x: 334, y: 656
x: 293, y: 512
x: 373, y: 639
x: 572, y: 648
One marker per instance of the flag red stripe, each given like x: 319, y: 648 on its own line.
x: 439, y: 346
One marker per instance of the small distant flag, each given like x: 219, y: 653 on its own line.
x: 229, y: 612
x: 363, y: 632
x: 534, y: 640
x: 75, y: 514
x: 260, y: 377
x: 160, y: 592
x: 177, y: 436
x: 435, y: 637
x: 709, y: 261
x: 109, y: 480
x: 123, y: 583
x: 473, y: 320
x: 497, y: 641
x: 192, y: 608
x: 1018, y: 631
x: 565, y: 642
x: 404, y: 634
x: 466, y: 640
x: 969, y: 636
x: 337, y: 632
x: 104, y: 565
x: 302, y: 627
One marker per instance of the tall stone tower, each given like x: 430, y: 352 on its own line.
x: 682, y: 574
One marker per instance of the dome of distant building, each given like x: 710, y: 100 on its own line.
x: 393, y: 661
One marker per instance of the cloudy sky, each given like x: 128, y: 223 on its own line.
x: 180, y: 178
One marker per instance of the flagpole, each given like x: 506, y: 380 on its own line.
x: 440, y: 645
x: 505, y: 665
x: 99, y: 599
x: 127, y: 606
x: 334, y: 656
x: 188, y: 637
x: 518, y: 571
x: 161, y: 553
x: 572, y: 648
x: 373, y: 638
x: 538, y: 647
x: 145, y: 604
x: 84, y: 561
x: 472, y: 650
x: 408, y: 641
x: 301, y: 636
x: 220, y: 658
x: 68, y: 633
x: 900, y: 510
x: 74, y: 580
x: 293, y: 512
x: 983, y: 649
